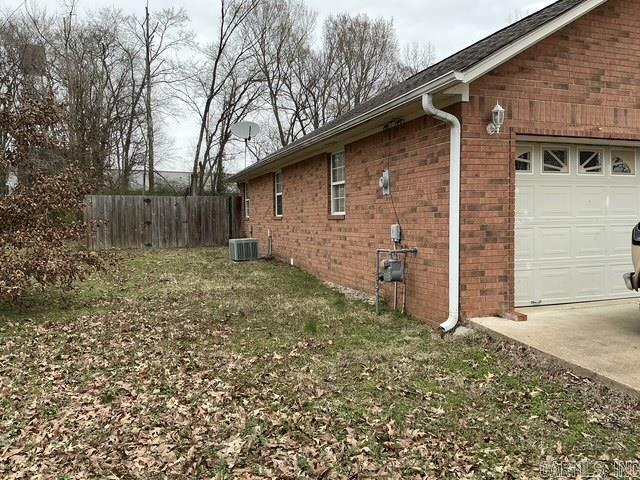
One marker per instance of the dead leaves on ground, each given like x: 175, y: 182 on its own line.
x: 191, y: 378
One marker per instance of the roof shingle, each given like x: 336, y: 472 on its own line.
x: 461, y: 61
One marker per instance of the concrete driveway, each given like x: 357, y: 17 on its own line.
x: 597, y: 340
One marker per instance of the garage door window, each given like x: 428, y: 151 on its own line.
x: 590, y: 162
x: 555, y: 161
x: 523, y: 160
x: 623, y: 162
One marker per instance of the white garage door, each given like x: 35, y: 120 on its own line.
x: 575, y: 209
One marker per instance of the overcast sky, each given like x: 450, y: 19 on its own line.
x: 449, y: 25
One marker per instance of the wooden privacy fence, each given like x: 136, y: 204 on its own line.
x: 125, y: 221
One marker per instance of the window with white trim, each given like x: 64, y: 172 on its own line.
x: 623, y: 162
x: 555, y: 160
x: 524, y: 160
x: 247, y: 200
x: 338, y: 184
x: 590, y: 162
x: 279, y: 193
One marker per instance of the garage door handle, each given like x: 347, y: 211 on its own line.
x: 539, y: 302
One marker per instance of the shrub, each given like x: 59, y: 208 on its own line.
x: 40, y: 221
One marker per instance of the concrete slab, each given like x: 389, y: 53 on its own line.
x: 597, y: 340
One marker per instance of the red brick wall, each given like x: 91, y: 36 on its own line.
x: 583, y: 81
x: 342, y: 251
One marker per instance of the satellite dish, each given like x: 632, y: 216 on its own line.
x: 245, y: 130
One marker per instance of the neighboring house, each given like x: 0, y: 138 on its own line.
x: 547, y: 204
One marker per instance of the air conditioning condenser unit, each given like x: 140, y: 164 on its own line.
x: 243, y: 249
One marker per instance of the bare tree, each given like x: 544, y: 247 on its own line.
x: 415, y: 57
x: 117, y: 75
x: 366, y: 52
x: 87, y: 72
x: 11, y: 81
x: 229, y: 52
x: 109, y: 71
x: 128, y: 136
x: 282, y: 32
x: 519, y: 14
x: 235, y: 99
x: 162, y: 36
x: 308, y: 85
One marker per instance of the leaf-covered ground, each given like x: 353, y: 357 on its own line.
x: 184, y: 365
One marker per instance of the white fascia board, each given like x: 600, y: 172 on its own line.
x: 434, y: 86
x: 522, y: 44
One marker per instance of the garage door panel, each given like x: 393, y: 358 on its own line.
x: 525, y: 205
x: 623, y: 202
x: 572, y: 233
x: 589, y: 282
x: 524, y: 287
x: 618, y: 240
x: 553, y: 242
x: 553, y: 284
x: 589, y: 242
x: 552, y: 201
x: 588, y: 203
x: 525, y: 245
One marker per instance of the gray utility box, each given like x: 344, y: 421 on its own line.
x: 243, y: 249
x: 393, y: 271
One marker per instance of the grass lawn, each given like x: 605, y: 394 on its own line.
x: 184, y: 365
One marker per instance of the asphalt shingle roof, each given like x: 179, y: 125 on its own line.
x: 460, y: 62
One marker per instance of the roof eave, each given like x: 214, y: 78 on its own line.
x: 437, y: 85
x: 527, y: 41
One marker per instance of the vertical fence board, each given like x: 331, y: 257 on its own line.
x: 116, y: 221
x: 235, y: 209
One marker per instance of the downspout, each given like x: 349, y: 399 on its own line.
x: 454, y: 209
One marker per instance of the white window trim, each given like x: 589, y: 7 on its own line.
x: 343, y: 182
x: 532, y: 157
x: 567, y: 148
x: 278, y: 194
x: 603, y: 161
x: 247, y: 201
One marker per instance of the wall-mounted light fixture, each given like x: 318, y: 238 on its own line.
x: 497, y: 120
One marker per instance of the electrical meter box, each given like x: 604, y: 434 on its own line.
x: 385, y: 183
x: 396, y: 233
x: 393, y: 271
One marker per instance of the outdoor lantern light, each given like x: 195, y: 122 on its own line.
x: 497, y: 120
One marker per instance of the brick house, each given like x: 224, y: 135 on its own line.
x: 538, y: 213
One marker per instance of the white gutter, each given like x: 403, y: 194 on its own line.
x: 454, y: 209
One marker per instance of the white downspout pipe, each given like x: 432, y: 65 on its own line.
x: 454, y: 209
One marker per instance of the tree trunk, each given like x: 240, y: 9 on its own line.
x: 150, y: 151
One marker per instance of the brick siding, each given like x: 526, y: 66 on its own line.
x: 583, y: 81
